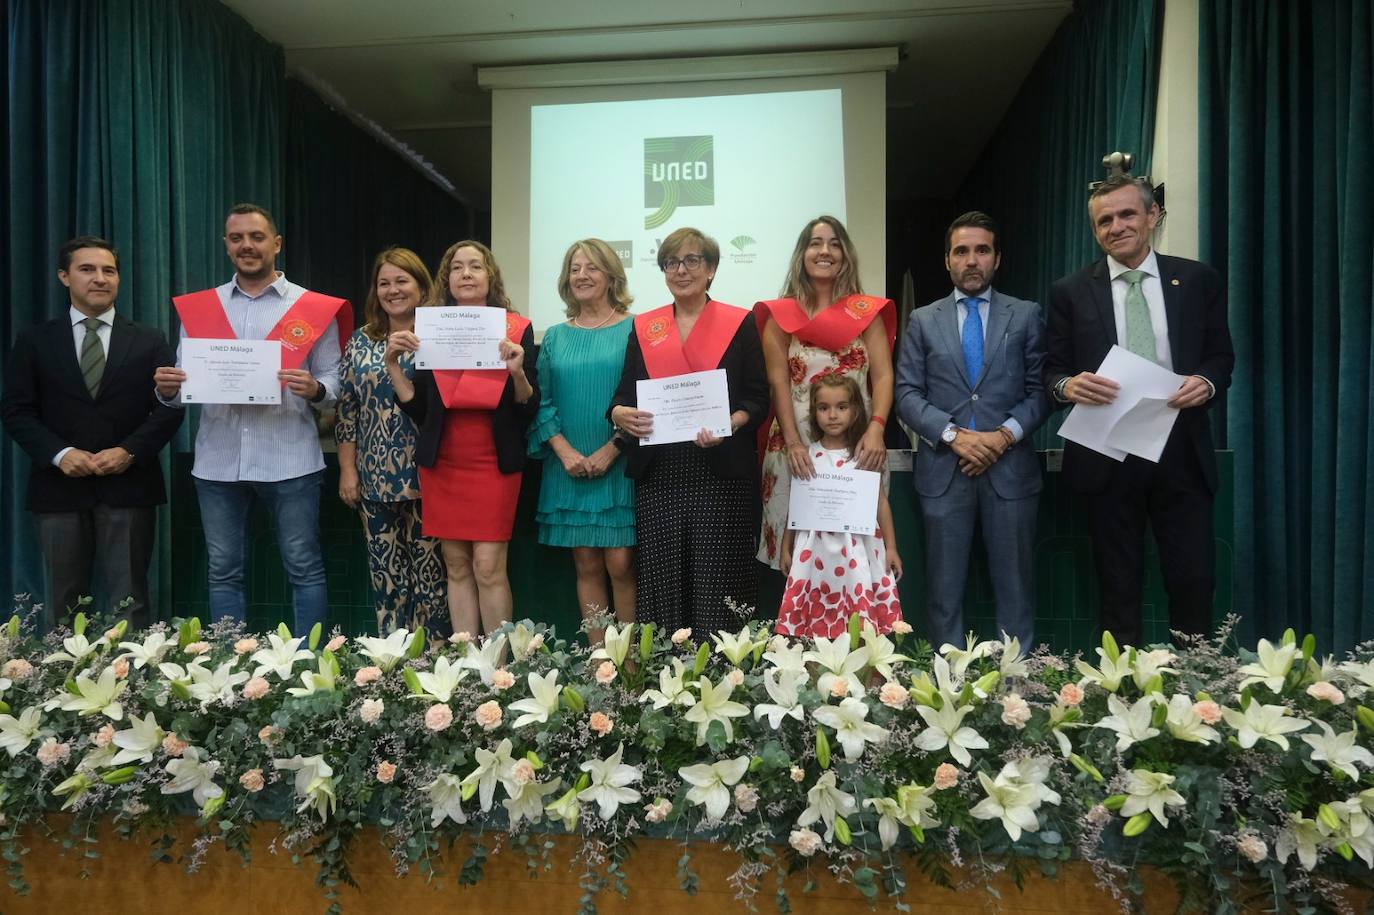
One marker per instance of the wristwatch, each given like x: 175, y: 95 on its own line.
x: 319, y: 393
x: 950, y: 434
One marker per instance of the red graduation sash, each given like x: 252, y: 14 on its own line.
x: 202, y: 315
x: 836, y: 326
x: 478, y: 389
x: 666, y: 354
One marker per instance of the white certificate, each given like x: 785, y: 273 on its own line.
x: 683, y: 405
x: 461, y: 337
x: 231, y: 371
x: 1139, y: 420
x: 835, y: 499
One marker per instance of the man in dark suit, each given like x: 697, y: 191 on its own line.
x: 1172, y: 311
x: 969, y: 384
x: 79, y: 400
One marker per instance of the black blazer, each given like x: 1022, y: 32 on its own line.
x: 736, y: 457
x: 1082, y: 327
x: 46, y: 407
x: 508, y: 421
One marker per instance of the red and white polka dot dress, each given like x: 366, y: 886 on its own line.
x: 834, y: 575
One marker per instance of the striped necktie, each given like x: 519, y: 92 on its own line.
x: 92, y: 356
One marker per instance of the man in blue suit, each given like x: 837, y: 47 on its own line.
x: 969, y: 383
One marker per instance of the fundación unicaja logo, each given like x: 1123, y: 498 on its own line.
x: 678, y: 172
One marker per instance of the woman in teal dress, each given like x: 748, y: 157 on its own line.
x: 585, y: 501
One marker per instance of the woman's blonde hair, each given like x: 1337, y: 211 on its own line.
x: 378, y: 321
x: 496, y: 287
x: 798, y: 284
x: 608, y: 262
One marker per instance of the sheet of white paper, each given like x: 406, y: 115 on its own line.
x: 835, y: 499
x: 230, y: 371
x: 460, y: 337
x: 682, y: 405
x: 1144, y: 429
x: 1093, y: 426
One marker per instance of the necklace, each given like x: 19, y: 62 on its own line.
x: 577, y: 320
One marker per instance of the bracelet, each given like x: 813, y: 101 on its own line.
x: 880, y: 420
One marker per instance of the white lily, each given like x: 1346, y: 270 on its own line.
x: 911, y: 808
x: 314, y: 782
x: 1015, y: 795
x: 1146, y: 790
x: 784, y: 688
x: 959, y: 659
x: 838, y: 663
x: 1183, y: 723
x: 1146, y: 665
x: 323, y: 679
x: 521, y: 636
x: 1131, y: 723
x: 1303, y: 836
x: 1339, y: 750
x: 1110, y: 674
x: 882, y: 652
x: 825, y: 802
x: 139, y: 741
x: 567, y: 809
x: 615, y: 646
x: 1263, y: 722
x: 280, y: 655
x: 851, y: 728
x: 1271, y: 666
x: 97, y: 758
x: 91, y: 696
x: 77, y: 648
x: 445, y: 799
x: 711, y: 783
x: 438, y: 684
x: 1013, y: 658
x: 715, y: 705
x: 671, y: 689
x: 193, y: 771
x: 735, y: 647
x: 789, y: 656
x: 527, y: 803
x: 1360, y: 672
x: 543, y: 700
x: 149, y: 652
x: 215, y: 686
x: 17, y: 733
x: 609, y: 783
x: 492, y: 767
x: 386, y: 652
x: 945, y: 729
x: 485, y: 659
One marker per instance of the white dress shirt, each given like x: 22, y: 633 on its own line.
x: 106, y: 319
x: 1154, y: 297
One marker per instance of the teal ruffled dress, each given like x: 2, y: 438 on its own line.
x: 578, y: 373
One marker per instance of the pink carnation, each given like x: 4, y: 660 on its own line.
x: 17, y: 669
x: 386, y: 771
x: 336, y: 643
x: 458, y: 638
x: 1252, y: 847
x: 681, y: 635
x: 104, y: 737
x: 797, y: 774
x: 371, y: 710
x: 50, y: 753
x: 173, y: 745
x: 245, y: 646
x: 946, y: 776
x: 1326, y: 692
x: 601, y: 723
x: 901, y: 627
x: 658, y: 811
x: 251, y: 780
x: 256, y: 688
x: 502, y: 679
x: 488, y: 715
x: 839, y: 687
x: 1208, y: 711
x: 1071, y: 694
x: 605, y: 672
x: 735, y: 676
x: 893, y: 695
x: 269, y: 733
x: 366, y: 675
x: 195, y: 648
x: 536, y: 643
x: 438, y: 716
x: 121, y: 668
x: 111, y: 634
x: 746, y: 797
x: 1015, y: 711
x: 805, y: 841
x: 522, y: 773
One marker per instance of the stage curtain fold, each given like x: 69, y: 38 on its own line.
x: 1286, y: 136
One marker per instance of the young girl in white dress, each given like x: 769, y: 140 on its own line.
x: 832, y: 575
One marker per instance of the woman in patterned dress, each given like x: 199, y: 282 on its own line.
x: 377, y: 472
x: 823, y: 324
x: 585, y: 501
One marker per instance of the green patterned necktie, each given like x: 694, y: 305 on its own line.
x: 92, y: 356
x: 1140, y: 331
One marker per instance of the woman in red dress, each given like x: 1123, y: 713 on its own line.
x: 471, y: 448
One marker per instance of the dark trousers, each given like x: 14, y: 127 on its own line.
x: 1174, y: 499
x: 113, y: 546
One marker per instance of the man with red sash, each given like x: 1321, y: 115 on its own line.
x: 969, y: 384
x: 268, y: 452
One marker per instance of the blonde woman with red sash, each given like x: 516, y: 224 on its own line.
x: 471, y: 448
x: 823, y: 325
x: 696, y: 503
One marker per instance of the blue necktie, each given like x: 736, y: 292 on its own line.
x: 973, y: 343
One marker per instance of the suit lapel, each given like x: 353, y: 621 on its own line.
x: 64, y: 348
x: 947, y: 316
x: 999, y: 316
x: 1102, y: 297
x: 121, y: 339
x: 1173, y: 303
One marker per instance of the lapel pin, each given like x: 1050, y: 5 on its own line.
x: 1175, y: 282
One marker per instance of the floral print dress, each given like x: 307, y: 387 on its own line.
x: 805, y: 364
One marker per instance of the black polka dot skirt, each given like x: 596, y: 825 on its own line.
x: 696, y: 534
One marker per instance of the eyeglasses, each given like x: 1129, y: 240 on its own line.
x: 692, y: 262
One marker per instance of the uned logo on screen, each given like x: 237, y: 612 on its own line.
x: 678, y: 172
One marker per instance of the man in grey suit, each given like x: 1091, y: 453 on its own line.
x: 969, y: 383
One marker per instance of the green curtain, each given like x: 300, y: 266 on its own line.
x: 348, y: 197
x: 1091, y: 92
x: 1286, y: 138
x: 139, y: 120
